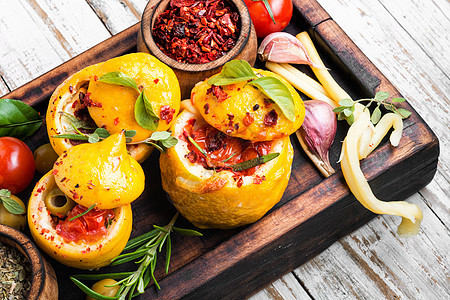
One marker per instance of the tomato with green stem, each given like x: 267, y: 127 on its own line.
x: 17, y: 164
x: 269, y: 16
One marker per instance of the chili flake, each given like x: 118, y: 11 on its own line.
x: 167, y: 113
x: 196, y: 31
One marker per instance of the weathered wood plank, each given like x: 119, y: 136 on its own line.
x: 285, y: 288
x: 39, y: 35
x: 118, y: 15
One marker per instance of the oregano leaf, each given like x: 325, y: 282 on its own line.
x: 381, y: 96
x: 93, y: 138
x: 160, y: 135
x: 398, y: 100
x: 346, y: 102
x: 404, y: 113
x: 376, y: 115
x: 12, y: 205
x: 102, y: 133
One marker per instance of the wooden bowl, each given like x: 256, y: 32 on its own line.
x: 189, y: 74
x: 44, y: 284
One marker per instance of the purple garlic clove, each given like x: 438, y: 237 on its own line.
x: 317, y: 134
x: 282, y: 47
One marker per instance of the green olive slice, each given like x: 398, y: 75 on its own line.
x: 58, y: 203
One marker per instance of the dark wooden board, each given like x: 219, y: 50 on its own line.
x: 313, y: 213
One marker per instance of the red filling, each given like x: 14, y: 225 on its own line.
x: 90, y: 227
x: 222, y: 151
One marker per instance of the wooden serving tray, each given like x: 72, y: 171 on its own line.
x: 313, y: 213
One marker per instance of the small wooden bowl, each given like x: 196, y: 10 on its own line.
x: 44, y: 284
x: 189, y: 74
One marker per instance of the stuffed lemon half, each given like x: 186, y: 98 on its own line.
x: 233, y: 159
x: 98, y: 97
x: 79, y: 213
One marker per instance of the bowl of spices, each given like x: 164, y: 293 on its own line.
x: 24, y: 273
x: 197, y: 37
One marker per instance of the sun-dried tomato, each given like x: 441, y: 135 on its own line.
x: 271, y: 118
x: 196, y: 31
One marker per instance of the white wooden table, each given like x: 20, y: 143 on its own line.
x: 408, y: 40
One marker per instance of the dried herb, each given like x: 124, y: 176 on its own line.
x: 17, y: 119
x: 196, y: 31
x: 145, y: 249
x: 15, y: 273
x: 347, y: 107
x: 10, y: 204
x: 240, y: 71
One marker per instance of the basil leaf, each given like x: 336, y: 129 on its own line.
x: 160, y: 135
x: 12, y: 205
x: 17, y: 119
x: 254, y: 162
x: 144, y: 114
x: 233, y: 72
x: 277, y: 91
x: 119, y: 78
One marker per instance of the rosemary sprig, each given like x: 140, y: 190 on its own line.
x: 83, y: 213
x: 347, y: 107
x: 146, y: 248
x: 254, y: 162
x: 196, y: 145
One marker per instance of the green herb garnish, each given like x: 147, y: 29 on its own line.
x: 197, y: 146
x: 240, y: 70
x: 10, y: 204
x: 146, y: 247
x: 17, y: 119
x: 144, y: 114
x: 143, y: 111
x: 254, y: 162
x: 83, y: 213
x: 347, y: 107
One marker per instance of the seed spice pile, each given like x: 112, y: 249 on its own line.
x: 15, y: 274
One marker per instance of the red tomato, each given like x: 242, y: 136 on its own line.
x: 282, y: 13
x: 16, y: 164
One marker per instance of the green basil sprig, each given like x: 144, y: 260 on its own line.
x: 10, y: 204
x: 17, y: 119
x: 240, y: 70
x: 143, y: 111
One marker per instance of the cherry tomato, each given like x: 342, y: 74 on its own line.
x: 282, y: 13
x: 16, y: 164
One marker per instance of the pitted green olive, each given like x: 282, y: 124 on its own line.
x: 102, y: 287
x: 57, y: 203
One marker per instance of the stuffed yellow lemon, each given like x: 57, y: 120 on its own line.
x: 233, y: 159
x: 105, y: 95
x: 79, y: 213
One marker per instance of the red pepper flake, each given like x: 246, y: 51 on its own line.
x: 70, y: 89
x: 156, y: 80
x: 239, y: 180
x: 87, y: 101
x: 248, y: 119
x: 62, y: 180
x: 257, y: 180
x: 55, y: 171
x: 191, y: 156
x: 220, y: 94
x: 236, y: 126
x: 75, y: 103
x: 206, y: 107
x: 196, y: 31
x: 270, y: 119
x: 255, y: 107
x: 116, y: 121
x: 95, y: 78
x: 167, y: 113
